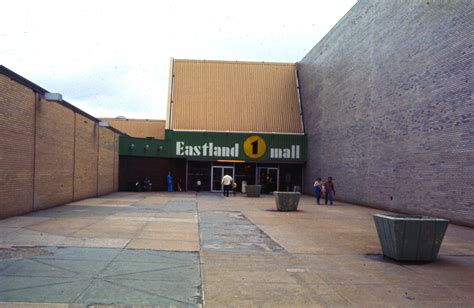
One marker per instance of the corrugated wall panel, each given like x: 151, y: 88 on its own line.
x: 235, y: 96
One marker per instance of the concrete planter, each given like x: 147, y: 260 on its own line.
x: 253, y: 190
x: 287, y: 201
x: 410, y: 238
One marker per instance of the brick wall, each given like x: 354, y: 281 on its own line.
x: 388, y: 108
x: 17, y: 126
x: 85, y: 165
x: 106, y: 161
x: 116, y: 162
x: 54, y: 158
x: 49, y: 154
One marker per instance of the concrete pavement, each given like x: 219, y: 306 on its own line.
x: 179, y: 249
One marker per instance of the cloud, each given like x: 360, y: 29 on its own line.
x: 112, y: 57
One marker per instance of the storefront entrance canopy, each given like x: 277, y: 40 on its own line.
x: 219, y: 146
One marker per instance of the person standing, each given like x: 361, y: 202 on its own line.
x: 198, y: 185
x: 330, y: 191
x: 169, y: 180
x: 227, y: 182
x: 318, y: 188
x: 234, y: 188
x: 180, y: 184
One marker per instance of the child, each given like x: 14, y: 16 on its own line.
x: 234, y: 188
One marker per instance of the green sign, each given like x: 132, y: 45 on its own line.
x: 219, y: 146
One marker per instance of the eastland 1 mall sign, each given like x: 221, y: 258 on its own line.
x: 219, y: 146
x: 240, y: 146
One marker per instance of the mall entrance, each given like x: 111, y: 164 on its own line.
x: 217, y: 174
x: 268, y: 178
x: 272, y: 177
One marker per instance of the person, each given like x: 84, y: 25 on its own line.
x: 198, y: 185
x: 234, y: 188
x: 330, y: 191
x: 227, y: 182
x: 263, y: 182
x: 318, y: 188
x: 269, y: 181
x: 169, y: 180
x: 180, y: 184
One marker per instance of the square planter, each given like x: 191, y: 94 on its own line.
x: 410, y: 238
x: 253, y: 190
x: 286, y: 201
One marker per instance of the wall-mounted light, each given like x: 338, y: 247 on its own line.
x: 147, y: 147
x: 57, y: 97
x: 103, y: 124
x: 160, y: 148
x: 131, y: 147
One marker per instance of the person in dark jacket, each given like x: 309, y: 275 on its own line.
x: 329, y: 191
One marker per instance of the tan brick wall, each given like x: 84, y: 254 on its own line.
x: 50, y: 155
x: 106, y: 161
x: 54, y: 159
x: 17, y: 118
x: 85, y: 165
x: 139, y: 128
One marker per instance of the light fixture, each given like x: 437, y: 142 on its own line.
x: 160, y: 148
x: 147, y: 147
x: 131, y: 147
x: 53, y: 97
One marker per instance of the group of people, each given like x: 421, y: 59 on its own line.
x: 169, y: 181
x: 229, y: 183
x: 324, y: 189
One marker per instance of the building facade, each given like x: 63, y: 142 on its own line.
x: 241, y: 118
x: 388, y: 107
x: 51, y: 152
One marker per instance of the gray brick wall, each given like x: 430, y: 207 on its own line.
x: 388, y: 107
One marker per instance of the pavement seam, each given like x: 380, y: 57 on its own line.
x: 149, y: 271
x: 92, y: 281
x: 43, y: 285
x: 147, y: 292
x: 201, y: 267
x: 263, y: 231
x: 57, y: 267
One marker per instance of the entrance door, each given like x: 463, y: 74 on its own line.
x: 217, y: 173
x: 268, y: 178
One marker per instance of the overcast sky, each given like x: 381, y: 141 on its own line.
x: 111, y: 58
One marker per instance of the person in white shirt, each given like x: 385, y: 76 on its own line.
x: 227, y: 182
x: 318, y: 188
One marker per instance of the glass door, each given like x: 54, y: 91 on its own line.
x: 268, y: 178
x: 218, y: 173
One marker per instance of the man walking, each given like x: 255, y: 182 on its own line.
x: 329, y: 191
x: 227, y: 182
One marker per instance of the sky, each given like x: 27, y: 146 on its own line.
x: 112, y: 58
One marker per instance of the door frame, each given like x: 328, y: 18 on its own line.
x: 222, y: 174
x: 257, y: 175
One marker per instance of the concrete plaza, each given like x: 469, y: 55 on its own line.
x: 183, y: 249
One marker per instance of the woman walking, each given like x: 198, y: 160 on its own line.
x: 318, y: 188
